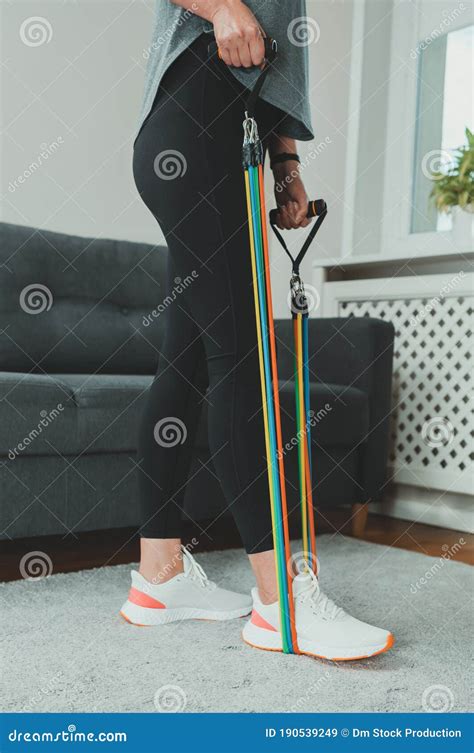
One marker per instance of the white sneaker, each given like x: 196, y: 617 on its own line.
x: 323, y: 629
x: 187, y: 596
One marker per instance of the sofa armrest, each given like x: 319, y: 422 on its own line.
x: 355, y: 352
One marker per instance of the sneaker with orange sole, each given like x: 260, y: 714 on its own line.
x: 190, y: 595
x: 323, y: 629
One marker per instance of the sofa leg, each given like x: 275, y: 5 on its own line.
x: 359, y: 518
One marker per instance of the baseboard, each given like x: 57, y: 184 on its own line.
x: 430, y: 506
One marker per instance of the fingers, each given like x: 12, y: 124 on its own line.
x: 292, y: 215
x: 245, y: 55
x: 257, y: 47
x: 242, y: 49
x: 301, y: 210
x: 286, y: 217
x: 235, y: 57
x: 252, y: 48
x: 224, y: 53
x: 283, y: 221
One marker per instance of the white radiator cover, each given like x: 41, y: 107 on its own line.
x: 432, y: 415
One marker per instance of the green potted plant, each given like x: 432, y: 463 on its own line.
x: 453, y: 190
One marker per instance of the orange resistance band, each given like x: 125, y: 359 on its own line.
x: 276, y: 397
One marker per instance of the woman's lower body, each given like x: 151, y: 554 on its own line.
x: 188, y: 170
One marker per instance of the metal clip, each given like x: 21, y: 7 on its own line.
x: 250, y: 130
x: 296, y: 283
x: 299, y: 303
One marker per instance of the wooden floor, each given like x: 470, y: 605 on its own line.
x: 121, y: 546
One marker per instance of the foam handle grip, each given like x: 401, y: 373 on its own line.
x: 315, y: 208
x: 270, y: 48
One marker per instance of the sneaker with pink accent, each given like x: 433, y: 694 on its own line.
x: 188, y: 596
x: 323, y: 629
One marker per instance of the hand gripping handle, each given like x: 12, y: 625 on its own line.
x: 315, y: 209
x: 271, y: 49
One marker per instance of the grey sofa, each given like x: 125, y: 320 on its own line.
x: 77, y: 352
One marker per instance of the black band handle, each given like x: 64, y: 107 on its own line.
x: 315, y: 209
x: 271, y: 49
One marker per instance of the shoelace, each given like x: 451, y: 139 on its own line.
x: 313, y: 593
x: 195, y: 571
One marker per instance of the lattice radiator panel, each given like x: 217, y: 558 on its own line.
x: 431, y: 429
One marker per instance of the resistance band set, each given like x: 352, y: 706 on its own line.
x: 252, y: 160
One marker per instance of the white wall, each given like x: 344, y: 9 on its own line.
x: 83, y: 91
x: 79, y: 94
x: 374, y: 88
x: 324, y: 177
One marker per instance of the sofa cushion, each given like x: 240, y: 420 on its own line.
x: 341, y: 415
x: 69, y: 413
x: 43, y: 414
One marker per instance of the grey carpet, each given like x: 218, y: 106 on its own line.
x: 66, y: 649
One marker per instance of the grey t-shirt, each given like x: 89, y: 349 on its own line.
x: 286, y: 86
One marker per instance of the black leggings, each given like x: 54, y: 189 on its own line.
x: 187, y: 168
